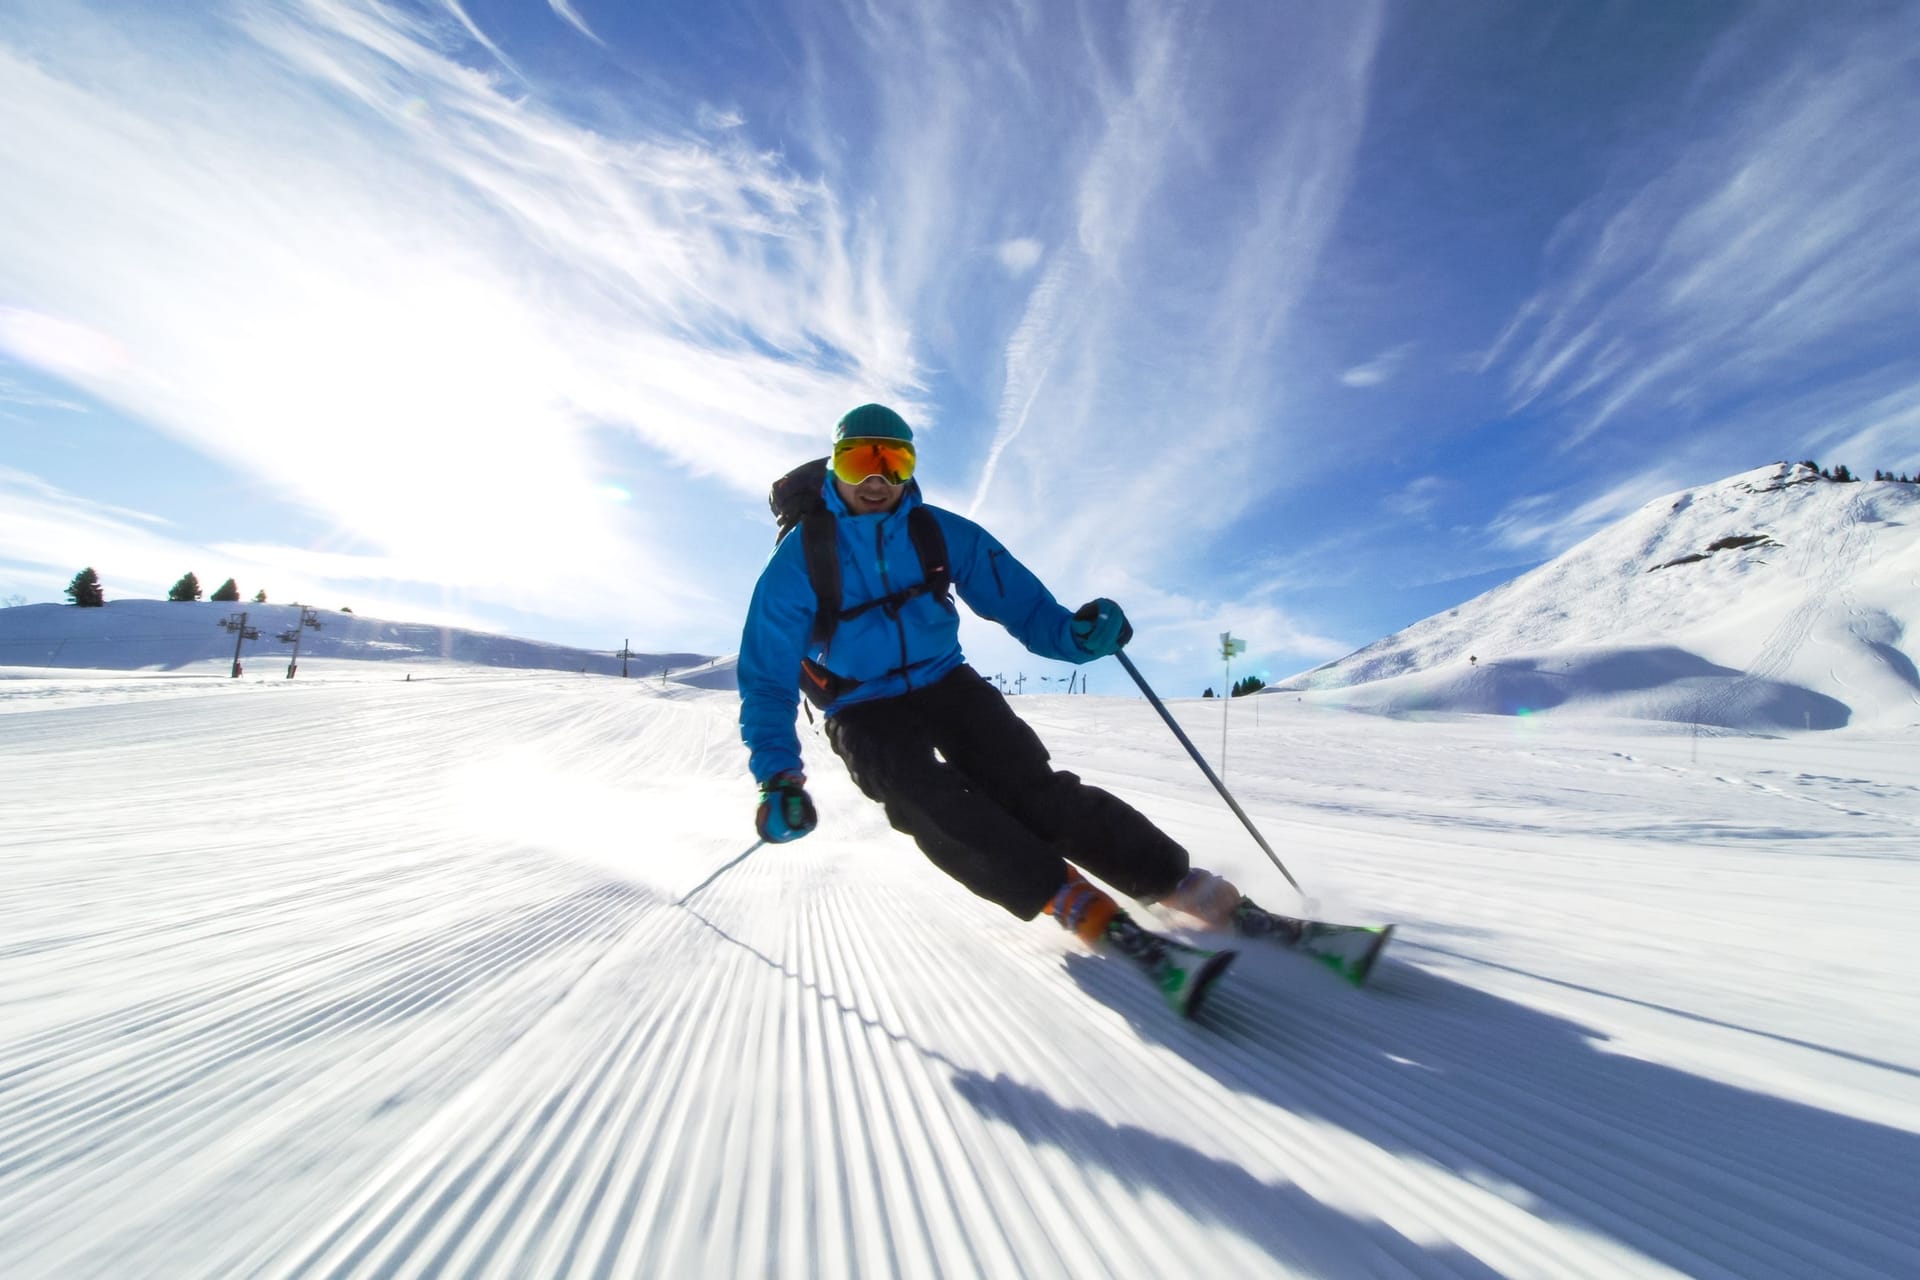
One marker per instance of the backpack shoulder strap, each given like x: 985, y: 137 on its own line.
x: 819, y: 538
x: 924, y: 528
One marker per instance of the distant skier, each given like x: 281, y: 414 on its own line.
x: 931, y: 740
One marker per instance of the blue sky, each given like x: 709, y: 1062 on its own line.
x: 1303, y: 320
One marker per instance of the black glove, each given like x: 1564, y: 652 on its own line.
x: 786, y: 810
x: 1100, y: 628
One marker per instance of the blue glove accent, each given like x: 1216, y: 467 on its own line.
x: 786, y: 810
x: 1100, y: 628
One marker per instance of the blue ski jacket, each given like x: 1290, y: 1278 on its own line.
x: 887, y: 650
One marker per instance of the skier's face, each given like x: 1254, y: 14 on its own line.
x: 870, y: 496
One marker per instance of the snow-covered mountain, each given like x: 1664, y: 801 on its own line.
x: 1775, y: 599
x: 165, y: 635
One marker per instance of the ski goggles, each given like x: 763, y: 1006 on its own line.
x: 858, y: 457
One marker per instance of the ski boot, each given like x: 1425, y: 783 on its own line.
x: 1181, y: 973
x: 1349, y: 950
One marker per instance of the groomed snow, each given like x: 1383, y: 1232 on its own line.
x: 354, y: 975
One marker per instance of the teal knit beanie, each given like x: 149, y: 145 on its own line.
x: 870, y: 421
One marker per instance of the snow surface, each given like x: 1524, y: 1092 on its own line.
x: 1772, y: 600
x: 356, y: 975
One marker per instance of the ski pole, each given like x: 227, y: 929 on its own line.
x: 686, y: 897
x: 1212, y: 777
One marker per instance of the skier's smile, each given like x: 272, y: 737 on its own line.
x: 871, y: 495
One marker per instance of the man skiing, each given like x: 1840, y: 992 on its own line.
x: 931, y: 740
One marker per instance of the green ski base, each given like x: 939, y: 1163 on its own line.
x: 1349, y: 950
x: 1185, y: 983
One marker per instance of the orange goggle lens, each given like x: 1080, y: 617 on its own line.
x: 862, y: 456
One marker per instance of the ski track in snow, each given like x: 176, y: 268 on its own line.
x: 350, y: 977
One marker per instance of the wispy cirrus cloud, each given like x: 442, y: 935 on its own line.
x: 1150, y: 340
x: 1102, y: 227
x: 14, y: 393
x: 1546, y: 524
x: 439, y: 305
x: 1416, y: 499
x: 1775, y: 242
x: 571, y: 16
x: 1378, y: 371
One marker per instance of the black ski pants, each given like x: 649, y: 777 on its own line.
x: 970, y: 781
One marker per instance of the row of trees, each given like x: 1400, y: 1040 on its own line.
x: 85, y: 590
x: 188, y: 588
x: 1844, y: 476
x: 1241, y: 687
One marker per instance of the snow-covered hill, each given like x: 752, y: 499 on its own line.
x: 156, y: 635
x: 360, y: 977
x: 1773, y: 600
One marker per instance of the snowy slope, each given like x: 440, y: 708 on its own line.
x: 358, y: 976
x: 132, y: 635
x: 1773, y: 600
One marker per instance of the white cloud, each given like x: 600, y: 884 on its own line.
x: 572, y: 18
x: 1542, y: 524
x: 1778, y: 243
x: 1173, y: 631
x: 1158, y: 319
x: 340, y: 249
x: 479, y: 37
x: 1418, y: 498
x: 66, y: 348
x: 12, y: 392
x: 1019, y: 256
x: 1881, y: 432
x: 1377, y: 371
x: 422, y: 319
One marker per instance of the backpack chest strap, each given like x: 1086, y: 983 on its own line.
x: 819, y: 533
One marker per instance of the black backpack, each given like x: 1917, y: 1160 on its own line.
x: 797, y: 503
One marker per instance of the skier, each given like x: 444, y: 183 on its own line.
x: 937, y: 745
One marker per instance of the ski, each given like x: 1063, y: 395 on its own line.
x: 1350, y: 950
x: 1188, y: 974
x: 1182, y: 973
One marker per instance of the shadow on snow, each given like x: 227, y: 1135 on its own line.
x: 1701, y: 1176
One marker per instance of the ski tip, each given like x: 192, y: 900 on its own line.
x: 1361, y: 970
x: 1350, y: 950
x: 1203, y: 981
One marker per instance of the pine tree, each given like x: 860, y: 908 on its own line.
x: 260, y: 596
x: 1251, y: 684
x: 85, y: 590
x: 188, y: 588
x: 226, y: 593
